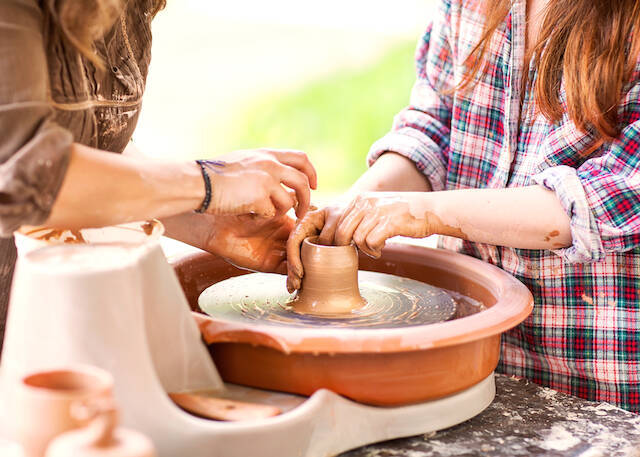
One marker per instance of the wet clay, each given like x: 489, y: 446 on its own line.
x: 330, y: 284
x: 552, y: 234
x: 75, y: 236
x: 445, y: 229
x: 60, y: 235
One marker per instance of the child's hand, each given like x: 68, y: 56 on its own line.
x: 251, y: 242
x: 368, y: 221
x: 374, y: 217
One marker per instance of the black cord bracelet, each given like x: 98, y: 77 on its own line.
x: 207, y: 187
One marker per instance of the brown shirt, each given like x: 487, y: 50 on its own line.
x: 50, y: 97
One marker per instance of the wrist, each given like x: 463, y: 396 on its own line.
x: 169, y: 188
x: 206, y: 181
x: 192, y: 184
x: 191, y: 228
x: 422, y: 209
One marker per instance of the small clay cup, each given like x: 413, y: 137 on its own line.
x: 330, y: 282
x: 44, y: 404
x: 102, y: 437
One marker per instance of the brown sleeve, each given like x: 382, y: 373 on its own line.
x: 34, y: 151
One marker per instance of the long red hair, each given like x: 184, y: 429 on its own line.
x: 590, y: 45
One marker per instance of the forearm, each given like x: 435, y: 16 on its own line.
x: 391, y: 173
x: 525, y: 217
x: 102, y: 188
x: 191, y: 228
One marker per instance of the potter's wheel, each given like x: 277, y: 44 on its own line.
x: 378, y: 335
x: 391, y: 302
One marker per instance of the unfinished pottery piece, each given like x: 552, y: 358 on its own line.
x: 334, y: 265
x: 43, y: 406
x: 101, y: 437
x: 378, y: 366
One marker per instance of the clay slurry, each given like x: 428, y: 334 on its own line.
x: 391, y: 301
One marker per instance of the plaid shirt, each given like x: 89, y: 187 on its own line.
x: 583, y: 336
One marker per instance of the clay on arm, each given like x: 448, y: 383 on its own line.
x: 525, y: 217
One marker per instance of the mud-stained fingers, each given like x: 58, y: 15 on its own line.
x: 278, y: 259
x: 310, y: 225
x: 263, y: 207
x: 282, y: 200
x: 377, y: 237
x: 348, y: 224
x: 299, y: 182
x: 285, y: 228
x: 281, y: 268
x: 327, y: 235
x: 298, y: 160
x: 369, y: 222
x: 293, y: 195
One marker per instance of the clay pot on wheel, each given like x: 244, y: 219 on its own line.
x: 330, y: 283
x: 378, y: 366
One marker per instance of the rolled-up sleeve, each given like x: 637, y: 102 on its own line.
x: 34, y: 150
x: 421, y: 132
x: 602, y: 195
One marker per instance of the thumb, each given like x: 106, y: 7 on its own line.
x: 293, y: 281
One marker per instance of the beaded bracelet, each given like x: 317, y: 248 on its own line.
x: 207, y: 188
x: 204, y: 166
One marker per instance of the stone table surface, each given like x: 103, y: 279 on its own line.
x: 526, y: 420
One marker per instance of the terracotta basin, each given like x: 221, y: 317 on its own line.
x: 375, y: 366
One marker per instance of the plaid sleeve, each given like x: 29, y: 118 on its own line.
x: 421, y: 131
x: 602, y: 196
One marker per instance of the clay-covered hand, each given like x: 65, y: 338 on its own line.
x: 321, y: 222
x: 252, y: 182
x: 372, y: 218
x: 249, y: 241
x: 368, y: 220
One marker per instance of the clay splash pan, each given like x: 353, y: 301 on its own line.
x: 379, y: 366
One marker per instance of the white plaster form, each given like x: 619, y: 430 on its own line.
x: 129, y: 316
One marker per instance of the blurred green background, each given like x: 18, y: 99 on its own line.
x: 275, y: 74
x: 335, y: 119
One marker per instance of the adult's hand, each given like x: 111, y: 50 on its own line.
x: 247, y: 241
x: 252, y: 242
x: 251, y: 182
